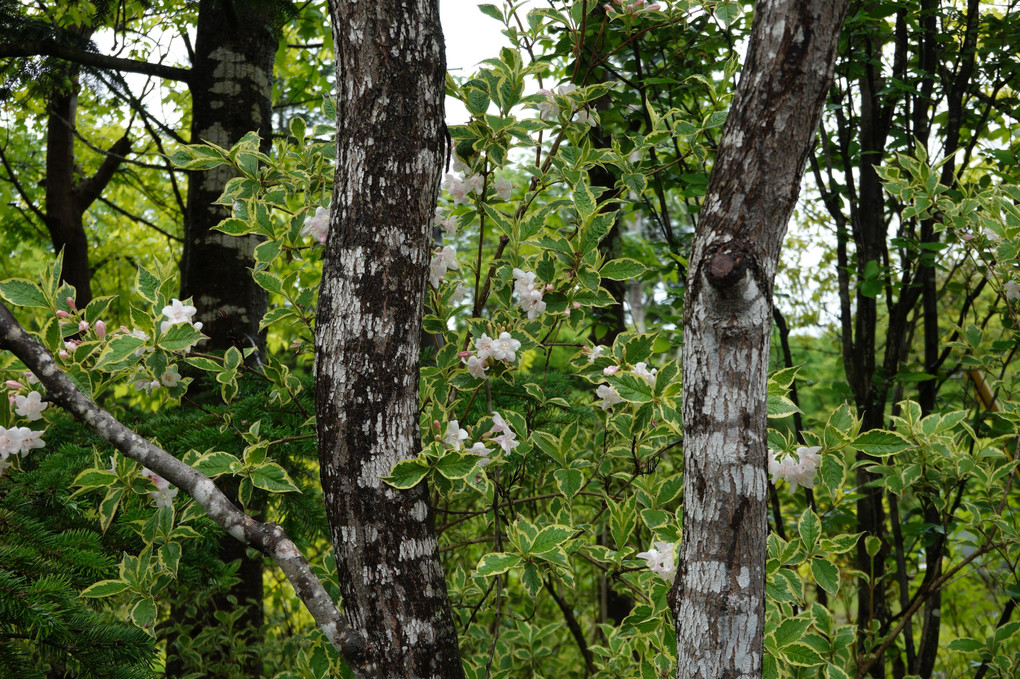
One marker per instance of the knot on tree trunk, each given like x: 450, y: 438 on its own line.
x: 726, y: 265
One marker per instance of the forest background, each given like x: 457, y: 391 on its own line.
x: 892, y: 548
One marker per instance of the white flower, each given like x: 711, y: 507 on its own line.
x: 796, y: 472
x: 608, y: 395
x: 30, y: 406
x: 454, y: 435
x: 483, y: 346
x: 594, y: 352
x: 443, y: 261
x: 479, y: 449
x: 171, y: 377
x: 29, y: 440
x: 460, y: 189
x: 503, y: 189
x: 476, y: 368
x: 504, y: 348
x: 660, y: 560
x: 506, y: 438
x: 317, y: 226
x: 1011, y: 290
x: 642, y: 371
x: 176, y: 313
x: 447, y: 221
x: 548, y: 109
x: 459, y: 294
x: 530, y: 295
x: 19, y: 440
x: 163, y: 495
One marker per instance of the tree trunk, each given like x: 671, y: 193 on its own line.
x: 390, y: 147
x: 231, y: 95
x: 719, y: 594
x: 68, y: 199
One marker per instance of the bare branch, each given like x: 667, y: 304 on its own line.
x: 51, y: 48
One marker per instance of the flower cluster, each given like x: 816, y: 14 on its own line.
x: 17, y: 441
x: 796, y: 472
x: 502, y: 348
x: 550, y: 109
x: 317, y: 226
x: 623, y: 7
x: 501, y: 434
x: 660, y: 560
x: 163, y: 495
x: 460, y: 189
x: 445, y: 260
x: 1011, y: 289
x: 530, y: 296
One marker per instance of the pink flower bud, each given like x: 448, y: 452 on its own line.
x: 100, y: 330
x: 610, y: 369
x: 577, y: 305
x: 13, y: 384
x: 436, y: 425
x: 70, y: 303
x: 63, y: 354
x: 11, y: 399
x: 83, y: 326
x: 62, y: 314
x: 465, y: 354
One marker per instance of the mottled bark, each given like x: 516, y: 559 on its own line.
x: 231, y: 95
x: 390, y: 74
x: 719, y: 594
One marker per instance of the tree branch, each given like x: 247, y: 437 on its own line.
x: 268, y: 538
x: 51, y: 48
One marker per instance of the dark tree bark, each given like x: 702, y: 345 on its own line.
x: 719, y: 595
x: 67, y: 198
x: 231, y: 94
x: 390, y: 88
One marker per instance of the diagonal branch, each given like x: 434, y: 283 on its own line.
x: 268, y: 538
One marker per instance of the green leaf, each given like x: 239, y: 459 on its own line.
x: 832, y: 471
x: 965, y: 645
x: 497, y: 563
x: 791, y: 631
x: 407, y: 474
x: 268, y: 281
x: 235, y: 227
x: 841, y: 543
x: 802, y: 655
x: 531, y: 579
x: 780, y: 406
x: 273, y: 478
x: 206, y: 364
x: 215, y: 463
x: 118, y: 350
x: 104, y: 588
x: 95, y: 478
x: 550, y: 538
x: 568, y: 481
x: 143, y: 613
x: 23, y: 293
x: 146, y: 284
x: 881, y: 443
x: 179, y: 337
x: 826, y: 575
x: 492, y: 11
x: 457, y: 465
x: 810, y: 529
x: 622, y: 269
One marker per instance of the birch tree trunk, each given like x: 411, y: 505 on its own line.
x: 390, y: 148
x: 719, y: 593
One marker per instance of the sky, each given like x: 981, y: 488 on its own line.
x: 470, y: 37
